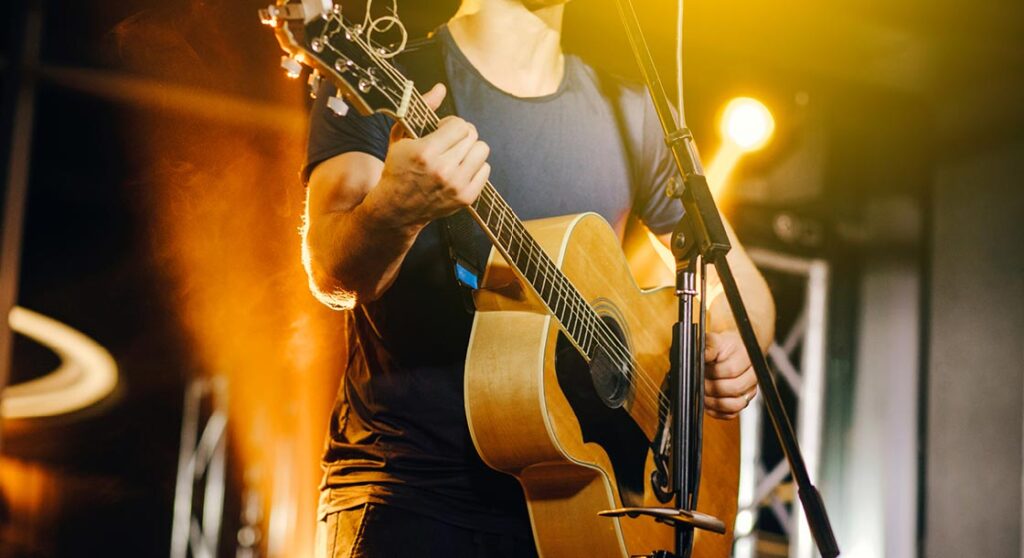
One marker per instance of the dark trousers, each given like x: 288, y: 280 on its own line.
x: 377, y: 531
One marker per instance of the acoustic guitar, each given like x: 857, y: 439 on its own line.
x: 565, y: 374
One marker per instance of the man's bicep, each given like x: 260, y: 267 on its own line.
x: 331, y: 135
x: 340, y: 183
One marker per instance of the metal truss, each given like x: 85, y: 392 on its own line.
x: 199, y: 492
x: 760, y: 482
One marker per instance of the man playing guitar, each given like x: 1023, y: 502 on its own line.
x: 402, y: 477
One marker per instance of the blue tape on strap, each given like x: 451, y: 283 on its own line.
x: 466, y: 277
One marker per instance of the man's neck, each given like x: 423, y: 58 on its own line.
x: 516, y: 49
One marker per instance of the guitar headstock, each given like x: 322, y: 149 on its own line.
x: 316, y: 34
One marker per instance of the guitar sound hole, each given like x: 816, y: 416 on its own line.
x: 599, y: 394
x: 610, y: 370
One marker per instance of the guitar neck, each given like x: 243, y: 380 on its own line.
x: 509, y: 235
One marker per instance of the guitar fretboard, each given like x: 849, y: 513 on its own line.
x: 510, y: 237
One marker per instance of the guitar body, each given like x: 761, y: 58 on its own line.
x: 534, y: 411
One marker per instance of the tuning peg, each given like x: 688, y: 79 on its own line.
x: 337, y: 105
x: 342, y: 65
x: 292, y: 66
x: 352, y: 32
x: 314, y: 83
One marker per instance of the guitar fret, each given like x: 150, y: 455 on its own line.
x: 514, y: 252
x: 479, y: 205
x: 576, y: 320
x: 523, y: 258
x: 524, y: 250
x: 577, y: 317
x: 585, y: 330
x: 501, y: 224
x: 559, y: 301
x: 590, y: 337
x: 568, y: 316
x: 543, y: 284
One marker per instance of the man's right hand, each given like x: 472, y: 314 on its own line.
x: 433, y: 176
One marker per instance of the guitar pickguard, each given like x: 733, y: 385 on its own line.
x: 605, y: 424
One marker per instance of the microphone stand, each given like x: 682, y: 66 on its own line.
x: 702, y: 233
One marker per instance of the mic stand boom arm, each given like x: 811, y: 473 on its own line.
x: 707, y: 230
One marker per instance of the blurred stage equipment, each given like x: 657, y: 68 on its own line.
x: 202, y: 458
x: 87, y: 373
x: 206, y: 493
x: 760, y: 481
x: 20, y: 91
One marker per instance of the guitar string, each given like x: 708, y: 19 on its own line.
x: 611, y: 344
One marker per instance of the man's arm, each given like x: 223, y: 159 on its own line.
x: 363, y: 215
x: 730, y: 379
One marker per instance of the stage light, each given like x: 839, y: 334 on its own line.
x: 87, y: 372
x: 747, y: 123
x: 744, y: 523
x: 746, y: 126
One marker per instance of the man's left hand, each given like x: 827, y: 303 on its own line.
x: 729, y: 379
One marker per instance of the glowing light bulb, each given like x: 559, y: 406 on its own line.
x: 747, y: 124
x: 744, y: 523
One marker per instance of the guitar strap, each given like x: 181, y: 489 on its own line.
x: 423, y: 62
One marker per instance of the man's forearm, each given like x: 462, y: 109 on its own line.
x: 757, y: 298
x: 357, y: 254
x: 758, y: 302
